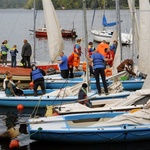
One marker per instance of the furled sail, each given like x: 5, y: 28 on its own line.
x: 144, y: 42
x: 55, y: 41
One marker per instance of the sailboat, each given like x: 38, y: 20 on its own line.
x: 106, y: 34
x: 23, y: 74
x: 99, y: 126
x: 58, y: 82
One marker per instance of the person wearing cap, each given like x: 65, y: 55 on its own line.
x: 127, y: 65
x: 77, y: 54
x: 37, y: 76
x: 11, y: 87
x: 98, y: 61
x: 83, y: 95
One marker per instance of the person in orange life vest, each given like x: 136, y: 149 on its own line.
x: 101, y: 48
x: 110, y: 56
x: 70, y: 65
x: 77, y: 54
x: 83, y: 95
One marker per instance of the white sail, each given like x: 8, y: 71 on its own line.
x: 144, y: 42
x: 117, y: 59
x: 135, y: 25
x: 55, y: 41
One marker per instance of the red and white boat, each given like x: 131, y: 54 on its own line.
x: 42, y: 32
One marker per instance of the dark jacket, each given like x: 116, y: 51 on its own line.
x: 126, y: 65
x: 26, y: 50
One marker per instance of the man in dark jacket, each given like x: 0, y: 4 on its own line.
x: 37, y: 77
x: 26, y: 54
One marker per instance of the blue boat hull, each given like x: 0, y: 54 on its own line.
x: 42, y: 101
x: 127, y: 85
x: 92, y: 137
x: 58, y: 129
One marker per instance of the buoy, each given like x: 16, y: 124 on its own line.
x: 31, y: 84
x: 14, y: 144
x: 20, y: 107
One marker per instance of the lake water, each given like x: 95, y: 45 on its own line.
x: 16, y: 23
x: 14, y: 27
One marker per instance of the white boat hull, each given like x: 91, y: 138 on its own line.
x: 106, y: 35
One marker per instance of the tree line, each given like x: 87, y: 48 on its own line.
x: 67, y: 4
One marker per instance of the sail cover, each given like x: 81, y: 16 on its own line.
x: 55, y: 41
x: 105, y: 24
x: 144, y: 40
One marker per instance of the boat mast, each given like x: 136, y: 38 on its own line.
x: 86, y: 43
x: 34, y: 46
x: 118, y: 26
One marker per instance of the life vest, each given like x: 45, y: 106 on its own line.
x: 13, y: 52
x: 84, y: 66
x: 108, y: 72
x: 79, y: 49
x: 76, y: 61
x: 7, y: 90
x: 36, y: 74
x: 4, y: 49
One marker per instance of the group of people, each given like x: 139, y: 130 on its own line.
x: 26, y: 54
x: 36, y: 76
x: 99, y: 58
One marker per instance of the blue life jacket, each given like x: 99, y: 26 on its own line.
x: 36, y: 74
x: 4, y: 48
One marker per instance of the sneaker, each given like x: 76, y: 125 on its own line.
x: 99, y: 94
x: 2, y: 65
x: 6, y: 66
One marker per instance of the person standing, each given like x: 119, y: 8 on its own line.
x: 63, y: 65
x: 83, y: 95
x: 91, y: 48
x: 36, y: 76
x: 4, y: 48
x: 77, y: 54
x: 70, y: 65
x: 98, y: 61
x: 26, y: 54
x: 13, y: 52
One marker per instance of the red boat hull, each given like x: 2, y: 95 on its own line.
x: 65, y: 33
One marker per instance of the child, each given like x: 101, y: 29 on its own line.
x: 13, y: 52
